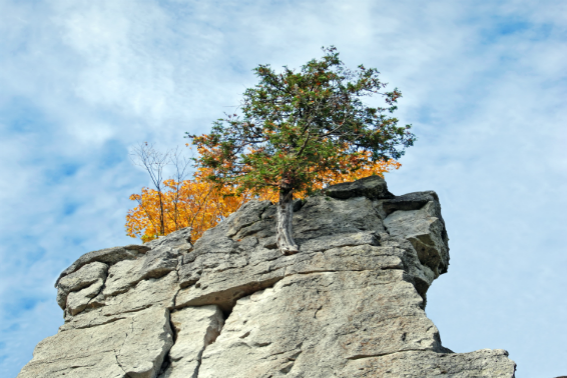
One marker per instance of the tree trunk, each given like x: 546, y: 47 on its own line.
x: 283, y: 227
x: 162, y: 214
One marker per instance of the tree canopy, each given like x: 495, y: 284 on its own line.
x: 294, y: 125
x: 200, y: 204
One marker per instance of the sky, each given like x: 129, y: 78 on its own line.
x: 484, y: 85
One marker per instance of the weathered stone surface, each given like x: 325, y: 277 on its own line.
x: 127, y: 348
x: 195, y: 328
x: 373, y: 187
x: 154, y: 292
x: 249, y: 214
x: 329, y: 317
x: 84, y: 277
x: 481, y: 363
x: 349, y: 304
x: 179, y: 240
x: 223, y: 287
x: 159, y: 261
x: 107, y: 256
x: 77, y: 301
x: 410, y: 201
x: 122, y: 276
x: 425, y: 232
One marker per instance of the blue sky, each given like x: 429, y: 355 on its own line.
x: 484, y: 86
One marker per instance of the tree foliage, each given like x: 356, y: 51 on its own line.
x: 296, y: 125
x: 297, y: 132
x: 201, y: 204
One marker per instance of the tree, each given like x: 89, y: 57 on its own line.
x: 154, y: 162
x: 147, y: 157
x: 296, y: 125
x: 201, y: 205
x: 190, y: 203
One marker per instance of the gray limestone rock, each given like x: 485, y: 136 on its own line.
x: 412, y: 364
x: 349, y: 304
x: 329, y: 317
x: 127, y: 348
x: 82, y: 278
x: 373, y: 187
x: 249, y: 214
x: 154, y: 292
x: 159, y: 261
x: 195, y: 328
x: 77, y: 301
x: 179, y: 240
x: 425, y: 232
x: 410, y: 201
x: 108, y: 256
x: 122, y: 276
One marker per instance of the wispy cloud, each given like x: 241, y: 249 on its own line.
x: 483, y: 83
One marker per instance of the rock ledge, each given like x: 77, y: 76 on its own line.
x: 349, y: 304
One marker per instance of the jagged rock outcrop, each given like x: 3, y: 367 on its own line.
x: 349, y: 304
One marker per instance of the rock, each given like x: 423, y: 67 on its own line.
x: 196, y: 328
x: 179, y: 240
x: 144, y: 349
x: 122, y: 276
x: 249, y: 214
x: 425, y: 232
x: 323, y: 243
x: 482, y: 363
x: 329, y: 317
x: 373, y: 187
x: 154, y: 292
x: 84, y: 277
x: 126, y: 348
x: 159, y: 261
x: 349, y: 304
x: 107, y: 256
x: 410, y: 201
x: 77, y: 301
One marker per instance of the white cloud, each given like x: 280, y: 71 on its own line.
x: 483, y: 85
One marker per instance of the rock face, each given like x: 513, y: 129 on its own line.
x: 349, y: 304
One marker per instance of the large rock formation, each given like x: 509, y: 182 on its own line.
x: 349, y: 304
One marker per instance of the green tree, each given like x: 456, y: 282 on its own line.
x: 295, y: 125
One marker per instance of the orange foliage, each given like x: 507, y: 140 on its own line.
x: 202, y: 205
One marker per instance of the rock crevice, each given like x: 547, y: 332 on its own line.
x: 349, y: 304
